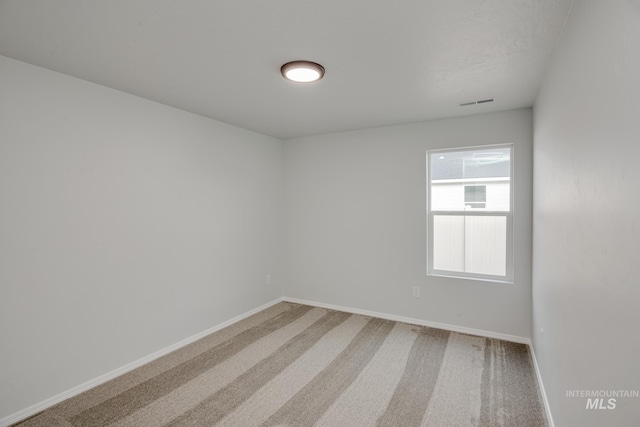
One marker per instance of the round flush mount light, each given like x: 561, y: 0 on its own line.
x: 302, y: 71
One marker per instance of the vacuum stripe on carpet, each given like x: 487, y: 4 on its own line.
x: 141, y: 395
x: 295, y: 365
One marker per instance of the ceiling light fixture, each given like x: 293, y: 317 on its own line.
x: 302, y: 71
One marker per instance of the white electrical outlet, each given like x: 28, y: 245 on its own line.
x: 416, y: 291
x: 267, y: 280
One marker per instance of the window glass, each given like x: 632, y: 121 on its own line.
x: 469, y: 212
x: 452, y: 172
x: 475, y: 196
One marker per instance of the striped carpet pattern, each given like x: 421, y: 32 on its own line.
x: 297, y: 365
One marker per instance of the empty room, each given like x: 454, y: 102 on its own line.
x: 339, y: 213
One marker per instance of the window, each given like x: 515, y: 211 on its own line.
x: 475, y: 196
x: 469, y: 206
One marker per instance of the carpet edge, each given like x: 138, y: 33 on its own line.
x: 419, y: 322
x: 74, y: 391
x: 543, y: 393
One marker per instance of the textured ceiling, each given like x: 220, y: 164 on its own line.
x: 386, y: 62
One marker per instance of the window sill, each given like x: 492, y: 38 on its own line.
x: 480, y: 279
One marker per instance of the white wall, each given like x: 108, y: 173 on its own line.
x: 125, y: 227
x: 587, y: 214
x: 356, y: 223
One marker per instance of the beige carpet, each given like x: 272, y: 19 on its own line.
x: 296, y: 365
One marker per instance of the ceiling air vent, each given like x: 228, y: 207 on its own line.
x: 482, y: 101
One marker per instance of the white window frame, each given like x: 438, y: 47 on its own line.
x: 508, y: 277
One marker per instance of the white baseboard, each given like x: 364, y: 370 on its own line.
x: 34, y: 409
x: 545, y: 401
x: 445, y: 326
x: 38, y: 407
